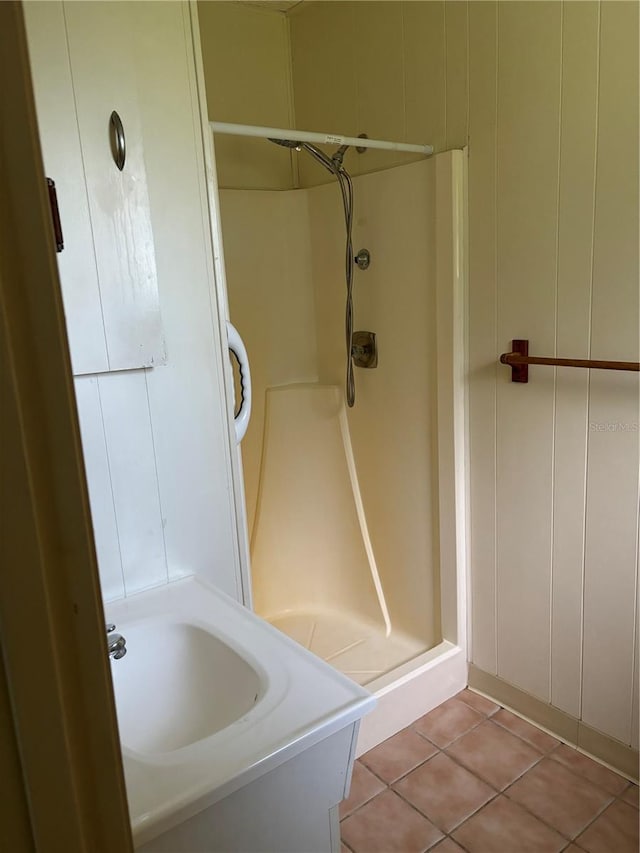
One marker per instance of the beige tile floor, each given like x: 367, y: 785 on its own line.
x: 471, y: 776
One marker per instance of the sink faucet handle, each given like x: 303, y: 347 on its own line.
x: 110, y: 627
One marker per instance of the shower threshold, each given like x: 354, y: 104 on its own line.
x: 354, y: 646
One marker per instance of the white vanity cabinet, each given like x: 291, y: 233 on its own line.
x: 243, y: 742
x: 292, y: 809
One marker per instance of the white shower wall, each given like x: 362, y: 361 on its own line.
x: 284, y: 255
x: 267, y: 250
x: 393, y: 424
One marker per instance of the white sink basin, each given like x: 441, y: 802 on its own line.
x: 210, y: 698
x: 178, y: 684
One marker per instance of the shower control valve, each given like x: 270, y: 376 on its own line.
x: 363, y: 259
x: 364, y: 349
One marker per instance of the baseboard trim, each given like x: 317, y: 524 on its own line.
x: 619, y: 757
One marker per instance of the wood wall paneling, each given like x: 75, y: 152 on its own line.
x: 580, y: 34
x: 483, y: 332
x: 134, y: 479
x: 425, y: 73
x: 104, y: 79
x: 247, y: 72
x: 60, y: 140
x: 324, y: 77
x: 635, y: 692
x: 380, y: 112
x: 186, y: 405
x: 612, y: 470
x: 457, y: 81
x: 96, y: 463
x: 156, y: 442
x: 527, y: 191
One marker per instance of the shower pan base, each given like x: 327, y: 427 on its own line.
x: 357, y: 648
x: 411, y: 690
x: 407, y: 678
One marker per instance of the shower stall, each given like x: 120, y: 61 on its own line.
x: 355, y: 496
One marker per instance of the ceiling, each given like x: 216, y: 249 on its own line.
x: 276, y: 5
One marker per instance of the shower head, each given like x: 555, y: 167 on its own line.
x: 316, y: 153
x: 287, y: 143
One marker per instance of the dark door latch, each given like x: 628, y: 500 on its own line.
x: 55, y: 215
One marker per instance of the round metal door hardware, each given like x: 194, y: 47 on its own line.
x: 118, y: 144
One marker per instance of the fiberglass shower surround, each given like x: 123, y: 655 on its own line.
x: 338, y: 499
x: 303, y: 140
x: 348, y: 509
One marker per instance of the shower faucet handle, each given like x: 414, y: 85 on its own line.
x: 364, y: 349
x: 363, y: 259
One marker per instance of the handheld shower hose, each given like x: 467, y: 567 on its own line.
x: 334, y: 165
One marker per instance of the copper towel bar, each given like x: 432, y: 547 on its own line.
x: 519, y: 360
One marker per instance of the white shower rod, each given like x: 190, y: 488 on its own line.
x: 322, y: 138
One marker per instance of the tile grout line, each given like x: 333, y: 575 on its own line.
x: 591, y: 822
x: 489, y: 717
x: 498, y: 793
x: 586, y: 778
x: 422, y: 814
x: 550, y: 826
x: 403, y: 775
x: 388, y: 786
x: 486, y: 781
x: 501, y: 726
x: 571, y: 839
x: 598, y: 816
x: 524, y: 740
x: 561, y: 741
x: 536, y: 817
x: 626, y: 802
x: 366, y: 802
x: 449, y: 834
x: 458, y: 825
